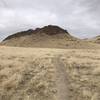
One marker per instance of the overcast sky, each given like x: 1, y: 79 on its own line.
x: 80, y: 17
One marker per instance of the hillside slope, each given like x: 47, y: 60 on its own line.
x: 95, y: 40
x: 47, y: 37
x: 49, y: 74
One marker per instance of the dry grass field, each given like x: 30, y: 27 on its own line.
x: 49, y: 74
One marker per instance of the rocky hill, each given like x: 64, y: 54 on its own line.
x: 47, y: 37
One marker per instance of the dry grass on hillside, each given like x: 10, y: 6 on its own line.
x: 49, y: 74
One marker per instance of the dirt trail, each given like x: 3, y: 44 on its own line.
x: 61, y: 79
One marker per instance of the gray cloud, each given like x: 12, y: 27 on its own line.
x: 80, y: 17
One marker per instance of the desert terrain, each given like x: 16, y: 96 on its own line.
x: 49, y: 74
x: 49, y: 63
